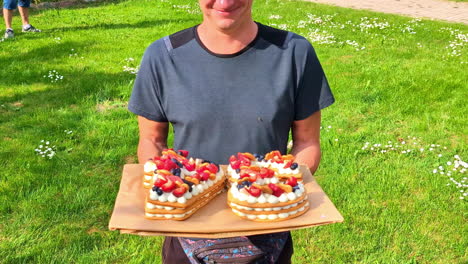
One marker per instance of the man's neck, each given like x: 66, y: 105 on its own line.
x: 227, y: 41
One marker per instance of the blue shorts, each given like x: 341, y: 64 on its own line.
x: 12, y: 4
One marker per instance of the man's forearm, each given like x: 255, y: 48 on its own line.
x: 307, y: 154
x: 148, y: 148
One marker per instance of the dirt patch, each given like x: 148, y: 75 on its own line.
x: 109, y: 105
x: 130, y: 160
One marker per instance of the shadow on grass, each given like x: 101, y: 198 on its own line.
x: 141, y: 24
x: 28, y: 68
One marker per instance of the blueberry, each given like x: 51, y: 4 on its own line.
x: 240, y: 186
x: 206, y: 161
x: 177, y: 163
x: 247, y: 183
x: 261, y: 157
x: 296, y: 187
x: 238, y: 170
x: 179, y: 152
x: 159, y: 191
x: 256, y: 155
x: 294, y: 166
x: 176, y: 171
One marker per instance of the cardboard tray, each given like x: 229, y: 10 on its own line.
x: 215, y: 220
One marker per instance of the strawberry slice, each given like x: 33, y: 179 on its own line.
x: 288, y: 164
x: 235, y: 164
x: 253, y: 177
x: 179, y: 192
x: 159, y: 164
x: 232, y: 158
x: 196, y: 176
x: 175, y: 179
x: 168, y: 186
x: 245, y: 162
x: 264, y: 173
x: 271, y: 173
x: 254, y: 191
x: 273, y: 187
x: 188, y: 166
x: 169, y: 164
x: 184, y: 152
x: 292, y: 181
x: 202, y: 168
x: 160, y: 181
x: 244, y: 175
x: 205, y: 175
x: 278, y: 192
x: 212, y: 168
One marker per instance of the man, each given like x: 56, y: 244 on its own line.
x: 23, y: 6
x: 231, y: 85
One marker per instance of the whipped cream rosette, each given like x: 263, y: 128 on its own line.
x: 180, y: 186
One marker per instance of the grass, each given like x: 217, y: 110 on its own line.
x: 401, y: 84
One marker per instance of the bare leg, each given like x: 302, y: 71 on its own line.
x: 24, y: 12
x: 8, y: 16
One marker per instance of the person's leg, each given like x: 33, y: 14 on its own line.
x: 8, y: 16
x: 8, y: 7
x: 23, y: 8
x: 172, y: 252
x: 288, y: 251
x: 24, y: 12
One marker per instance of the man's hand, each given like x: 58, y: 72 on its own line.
x: 306, y: 141
x: 153, y: 138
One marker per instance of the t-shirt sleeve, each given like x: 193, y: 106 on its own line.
x: 146, y: 97
x: 313, y: 91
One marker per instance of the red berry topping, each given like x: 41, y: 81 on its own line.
x: 179, y: 192
x: 244, y: 175
x: 288, y: 164
x: 183, y: 152
x: 169, y: 164
x: 271, y: 173
x: 159, y: 164
x: 278, y: 192
x: 253, y: 177
x: 292, y: 181
x: 205, y: 175
x: 235, y: 164
x: 196, y: 176
x: 175, y: 179
x: 254, y: 191
x: 212, y: 168
x: 168, y: 186
x: 189, y: 166
x: 232, y: 158
x: 160, y: 181
x: 273, y: 187
x: 245, y: 162
x: 264, y: 173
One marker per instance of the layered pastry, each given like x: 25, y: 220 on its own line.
x: 180, y: 186
x: 262, y: 192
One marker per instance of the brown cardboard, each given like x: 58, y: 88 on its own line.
x: 215, y: 220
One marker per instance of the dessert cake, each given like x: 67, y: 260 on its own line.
x: 266, y: 188
x: 178, y: 186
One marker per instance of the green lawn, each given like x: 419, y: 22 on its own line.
x: 397, y: 81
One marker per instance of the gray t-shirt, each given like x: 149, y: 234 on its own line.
x: 223, y: 104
